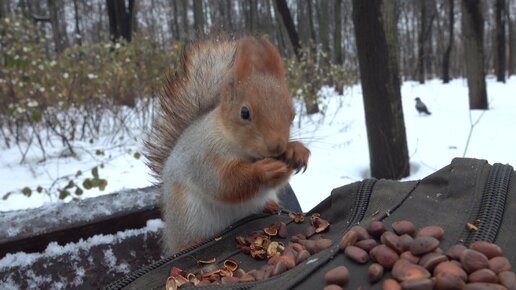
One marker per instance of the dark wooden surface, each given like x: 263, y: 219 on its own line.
x: 74, y: 232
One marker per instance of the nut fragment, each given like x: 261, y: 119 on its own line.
x: 210, y: 261
x: 271, y: 230
x: 230, y: 264
x: 273, y: 249
x: 320, y: 224
x: 298, y: 217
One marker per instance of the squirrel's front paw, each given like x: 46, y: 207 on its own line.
x: 272, y: 172
x: 296, y: 156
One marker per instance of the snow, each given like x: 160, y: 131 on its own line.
x: 337, y: 139
x: 22, y: 259
x: 59, y: 215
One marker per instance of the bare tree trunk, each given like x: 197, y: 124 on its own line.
x: 285, y: 45
x: 324, y: 25
x: 500, y: 58
x: 337, y: 40
x: 174, y: 22
x: 289, y: 25
x: 303, y: 23
x: 78, y: 34
x: 120, y: 19
x: 186, y: 31
x: 253, y: 15
x: 473, y: 32
x: 447, y: 52
x: 229, y: 16
x: 3, y: 9
x: 59, y: 35
x: 198, y: 16
x: 375, y: 31
x: 511, y: 18
x: 421, y: 44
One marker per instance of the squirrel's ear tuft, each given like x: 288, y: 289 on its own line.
x: 257, y: 55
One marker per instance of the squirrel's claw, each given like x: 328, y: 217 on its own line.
x: 296, y: 156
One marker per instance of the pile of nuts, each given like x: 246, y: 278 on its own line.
x: 260, y: 246
x: 413, y: 257
x: 417, y: 262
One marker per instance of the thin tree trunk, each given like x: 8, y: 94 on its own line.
x: 229, y: 16
x: 60, y: 39
x: 375, y: 24
x: 473, y: 33
x: 3, y: 9
x: 337, y: 40
x: 421, y: 44
x: 289, y: 25
x: 198, y: 16
x: 311, y: 25
x: 174, y: 23
x: 253, y: 15
x: 500, y: 58
x: 120, y: 19
x: 324, y: 25
x: 282, y: 30
x: 447, y: 52
x: 78, y: 34
x: 511, y: 19
x: 186, y: 32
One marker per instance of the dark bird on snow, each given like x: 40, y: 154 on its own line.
x: 421, y: 107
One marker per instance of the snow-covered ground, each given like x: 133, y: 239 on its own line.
x: 337, y: 139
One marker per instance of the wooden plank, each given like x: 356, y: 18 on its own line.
x: 74, y: 232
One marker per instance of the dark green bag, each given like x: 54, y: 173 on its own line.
x: 466, y: 191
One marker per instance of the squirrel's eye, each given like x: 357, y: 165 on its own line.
x: 245, y: 114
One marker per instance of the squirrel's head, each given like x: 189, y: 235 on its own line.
x: 256, y: 104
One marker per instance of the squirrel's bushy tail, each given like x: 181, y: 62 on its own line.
x: 188, y: 95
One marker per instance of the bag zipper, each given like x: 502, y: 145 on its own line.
x: 360, y: 205
x: 129, y: 278
x: 492, y: 205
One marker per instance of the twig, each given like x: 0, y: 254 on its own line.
x: 472, y: 126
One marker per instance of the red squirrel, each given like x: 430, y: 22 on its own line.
x: 220, y: 143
